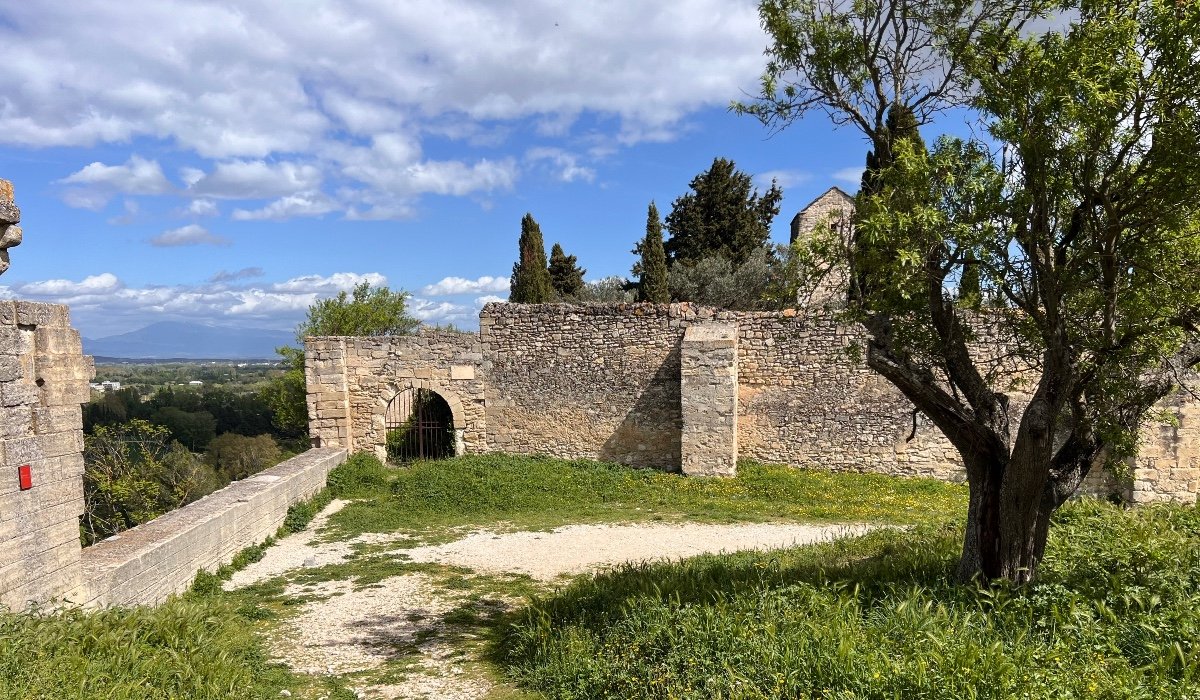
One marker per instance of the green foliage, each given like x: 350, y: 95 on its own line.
x: 566, y: 277
x: 193, y: 429
x: 715, y: 281
x: 238, y: 456
x: 605, y: 291
x: 366, y: 311
x: 201, y: 650
x: 359, y: 476
x: 531, y: 283
x: 876, y: 618
x: 723, y: 215
x: 287, y: 396
x: 651, y: 267
x: 545, y: 492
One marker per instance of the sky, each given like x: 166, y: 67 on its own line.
x: 230, y: 163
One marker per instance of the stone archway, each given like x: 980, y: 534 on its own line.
x: 415, y: 388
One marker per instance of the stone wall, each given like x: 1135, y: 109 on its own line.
x: 351, y: 380
x: 148, y: 563
x: 627, y: 383
x: 594, y: 382
x: 44, y: 378
x: 708, y: 388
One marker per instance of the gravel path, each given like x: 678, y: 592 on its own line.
x: 348, y: 631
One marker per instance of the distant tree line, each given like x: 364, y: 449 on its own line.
x: 717, y: 252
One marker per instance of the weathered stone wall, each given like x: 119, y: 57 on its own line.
x: 804, y: 401
x: 148, y: 563
x: 595, y: 381
x: 43, y: 380
x: 351, y: 380
x: 1167, y: 466
x: 708, y: 387
x: 621, y: 382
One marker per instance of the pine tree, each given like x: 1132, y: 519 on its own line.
x: 530, y: 279
x: 651, y: 267
x: 723, y: 215
x: 565, y: 275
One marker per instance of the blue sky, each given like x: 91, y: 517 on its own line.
x: 186, y: 160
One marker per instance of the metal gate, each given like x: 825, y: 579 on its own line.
x: 419, y: 426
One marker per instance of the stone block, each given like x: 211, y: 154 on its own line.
x: 31, y: 313
x: 462, y: 372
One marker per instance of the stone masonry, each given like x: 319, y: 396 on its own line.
x: 676, y: 387
x: 708, y: 388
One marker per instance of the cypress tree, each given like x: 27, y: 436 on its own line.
x: 530, y: 282
x: 651, y: 267
x: 565, y: 275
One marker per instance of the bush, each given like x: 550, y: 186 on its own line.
x: 359, y: 476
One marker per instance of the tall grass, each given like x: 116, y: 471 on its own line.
x: 544, y: 492
x: 182, y: 649
x: 1116, y: 614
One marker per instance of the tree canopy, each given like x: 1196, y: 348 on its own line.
x: 651, y: 267
x: 566, y: 277
x: 531, y: 283
x: 723, y: 215
x: 366, y: 311
x: 1079, y: 213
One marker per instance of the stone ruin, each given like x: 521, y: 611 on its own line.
x: 10, y: 216
x: 675, y: 387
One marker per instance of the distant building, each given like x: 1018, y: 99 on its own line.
x: 105, y: 386
x: 833, y: 211
x: 195, y: 382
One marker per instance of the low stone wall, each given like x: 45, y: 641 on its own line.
x: 43, y: 379
x: 148, y: 563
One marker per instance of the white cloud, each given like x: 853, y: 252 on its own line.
x: 103, y: 283
x: 256, y: 179
x: 202, y: 207
x: 486, y: 299
x: 342, y: 95
x: 291, y: 206
x: 566, y: 165
x: 783, y: 178
x: 102, y: 303
x: 337, y: 282
x: 136, y: 176
x: 96, y: 183
x: 460, y: 285
x: 852, y: 175
x: 441, y: 312
x: 192, y: 234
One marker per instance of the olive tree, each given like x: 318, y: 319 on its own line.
x: 1077, y: 209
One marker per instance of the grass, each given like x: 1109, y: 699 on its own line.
x: 540, y: 492
x: 1115, y: 614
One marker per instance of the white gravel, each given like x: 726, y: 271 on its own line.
x: 351, y: 631
x: 575, y: 549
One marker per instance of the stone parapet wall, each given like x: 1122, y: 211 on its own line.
x: 148, y: 563
x: 44, y: 378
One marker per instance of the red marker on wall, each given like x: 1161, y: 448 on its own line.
x: 25, y: 476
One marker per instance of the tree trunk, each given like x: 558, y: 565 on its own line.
x: 1007, y: 520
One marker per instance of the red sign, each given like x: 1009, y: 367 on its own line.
x: 25, y: 477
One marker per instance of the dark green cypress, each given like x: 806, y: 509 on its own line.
x: 651, y: 267
x: 565, y: 275
x: 530, y: 282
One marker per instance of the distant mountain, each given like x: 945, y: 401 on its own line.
x: 191, y: 341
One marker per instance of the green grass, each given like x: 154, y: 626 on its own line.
x: 539, y: 492
x: 181, y: 649
x: 1116, y: 614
